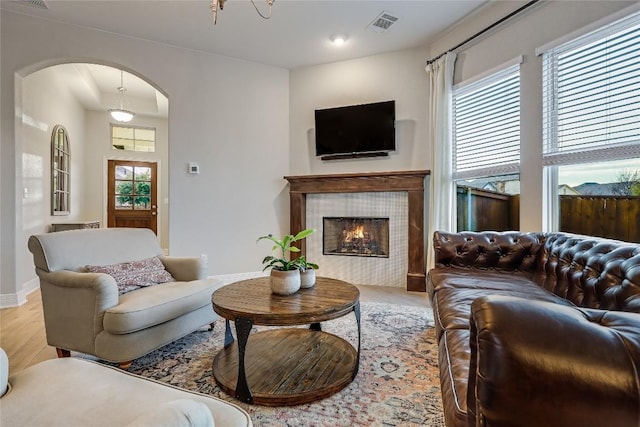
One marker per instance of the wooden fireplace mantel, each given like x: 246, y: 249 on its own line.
x: 411, y: 182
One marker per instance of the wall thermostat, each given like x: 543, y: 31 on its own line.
x: 194, y: 168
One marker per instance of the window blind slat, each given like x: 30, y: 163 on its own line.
x: 613, y: 78
x: 486, y: 105
x: 487, y: 110
x: 567, y: 64
x: 490, y: 122
x: 625, y: 92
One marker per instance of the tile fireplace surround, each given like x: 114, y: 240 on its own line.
x: 411, y: 182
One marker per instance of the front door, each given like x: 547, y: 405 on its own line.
x: 132, y: 195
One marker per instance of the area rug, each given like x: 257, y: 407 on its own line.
x: 397, y: 384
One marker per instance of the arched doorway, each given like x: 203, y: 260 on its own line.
x: 78, y: 96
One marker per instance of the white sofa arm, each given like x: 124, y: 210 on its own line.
x: 74, y: 304
x: 185, y: 269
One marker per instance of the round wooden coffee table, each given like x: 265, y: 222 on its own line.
x: 285, y: 366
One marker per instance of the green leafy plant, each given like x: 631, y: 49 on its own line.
x: 284, y: 246
x: 304, y: 265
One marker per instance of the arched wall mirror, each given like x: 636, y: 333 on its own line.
x: 60, y: 171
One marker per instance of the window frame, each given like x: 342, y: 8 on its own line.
x: 480, y: 100
x: 552, y: 157
x: 134, y: 128
x: 60, y: 171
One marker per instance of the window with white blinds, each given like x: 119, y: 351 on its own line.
x: 486, y: 126
x: 591, y: 96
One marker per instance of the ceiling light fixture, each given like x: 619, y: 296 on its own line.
x: 120, y: 114
x: 339, y: 39
x: 217, y: 5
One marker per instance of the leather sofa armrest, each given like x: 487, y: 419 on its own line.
x: 74, y: 304
x: 185, y: 269
x: 541, y: 364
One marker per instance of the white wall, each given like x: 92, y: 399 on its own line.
x: 398, y: 76
x: 230, y: 116
x: 521, y: 36
x: 45, y: 104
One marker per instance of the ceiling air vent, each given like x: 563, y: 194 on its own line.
x: 382, y: 22
x: 40, y: 4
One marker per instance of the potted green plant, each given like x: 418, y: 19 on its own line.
x: 285, y: 272
x: 307, y: 272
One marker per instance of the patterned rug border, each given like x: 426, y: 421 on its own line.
x: 397, y: 384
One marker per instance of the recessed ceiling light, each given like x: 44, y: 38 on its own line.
x: 338, y: 39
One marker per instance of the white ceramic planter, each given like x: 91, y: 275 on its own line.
x: 285, y: 282
x: 307, y: 278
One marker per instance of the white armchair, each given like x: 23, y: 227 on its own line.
x: 74, y: 392
x: 85, y: 312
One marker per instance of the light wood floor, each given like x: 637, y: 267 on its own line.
x: 23, y: 338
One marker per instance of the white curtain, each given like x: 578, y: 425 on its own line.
x: 442, y: 195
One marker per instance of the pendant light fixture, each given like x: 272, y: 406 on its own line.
x: 120, y: 114
x: 217, y: 5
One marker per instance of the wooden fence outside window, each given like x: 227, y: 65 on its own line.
x: 614, y: 217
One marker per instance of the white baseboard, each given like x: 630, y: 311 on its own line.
x: 20, y: 297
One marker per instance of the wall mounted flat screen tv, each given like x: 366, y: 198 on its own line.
x: 356, y: 130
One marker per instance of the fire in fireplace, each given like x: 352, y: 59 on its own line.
x: 355, y: 236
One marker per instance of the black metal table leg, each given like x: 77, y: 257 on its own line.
x: 315, y: 327
x: 243, y: 327
x: 356, y: 310
x: 228, y: 336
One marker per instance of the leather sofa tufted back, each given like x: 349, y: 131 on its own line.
x: 590, y: 272
x: 506, y: 251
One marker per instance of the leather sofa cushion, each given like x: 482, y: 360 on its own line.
x: 452, y: 291
x: 453, y: 305
x: 459, y: 278
x: 157, y: 304
x: 454, y: 354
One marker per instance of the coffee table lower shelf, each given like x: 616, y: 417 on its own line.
x: 289, y: 366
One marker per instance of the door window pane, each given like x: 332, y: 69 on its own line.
x: 124, y: 202
x: 134, y: 182
x: 142, y: 203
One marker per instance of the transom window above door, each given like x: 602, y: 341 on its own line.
x: 133, y: 138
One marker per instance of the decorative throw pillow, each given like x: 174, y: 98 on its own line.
x: 135, y: 274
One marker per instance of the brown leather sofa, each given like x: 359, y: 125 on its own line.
x: 537, y: 329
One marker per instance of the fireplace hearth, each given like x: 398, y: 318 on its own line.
x: 355, y: 236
